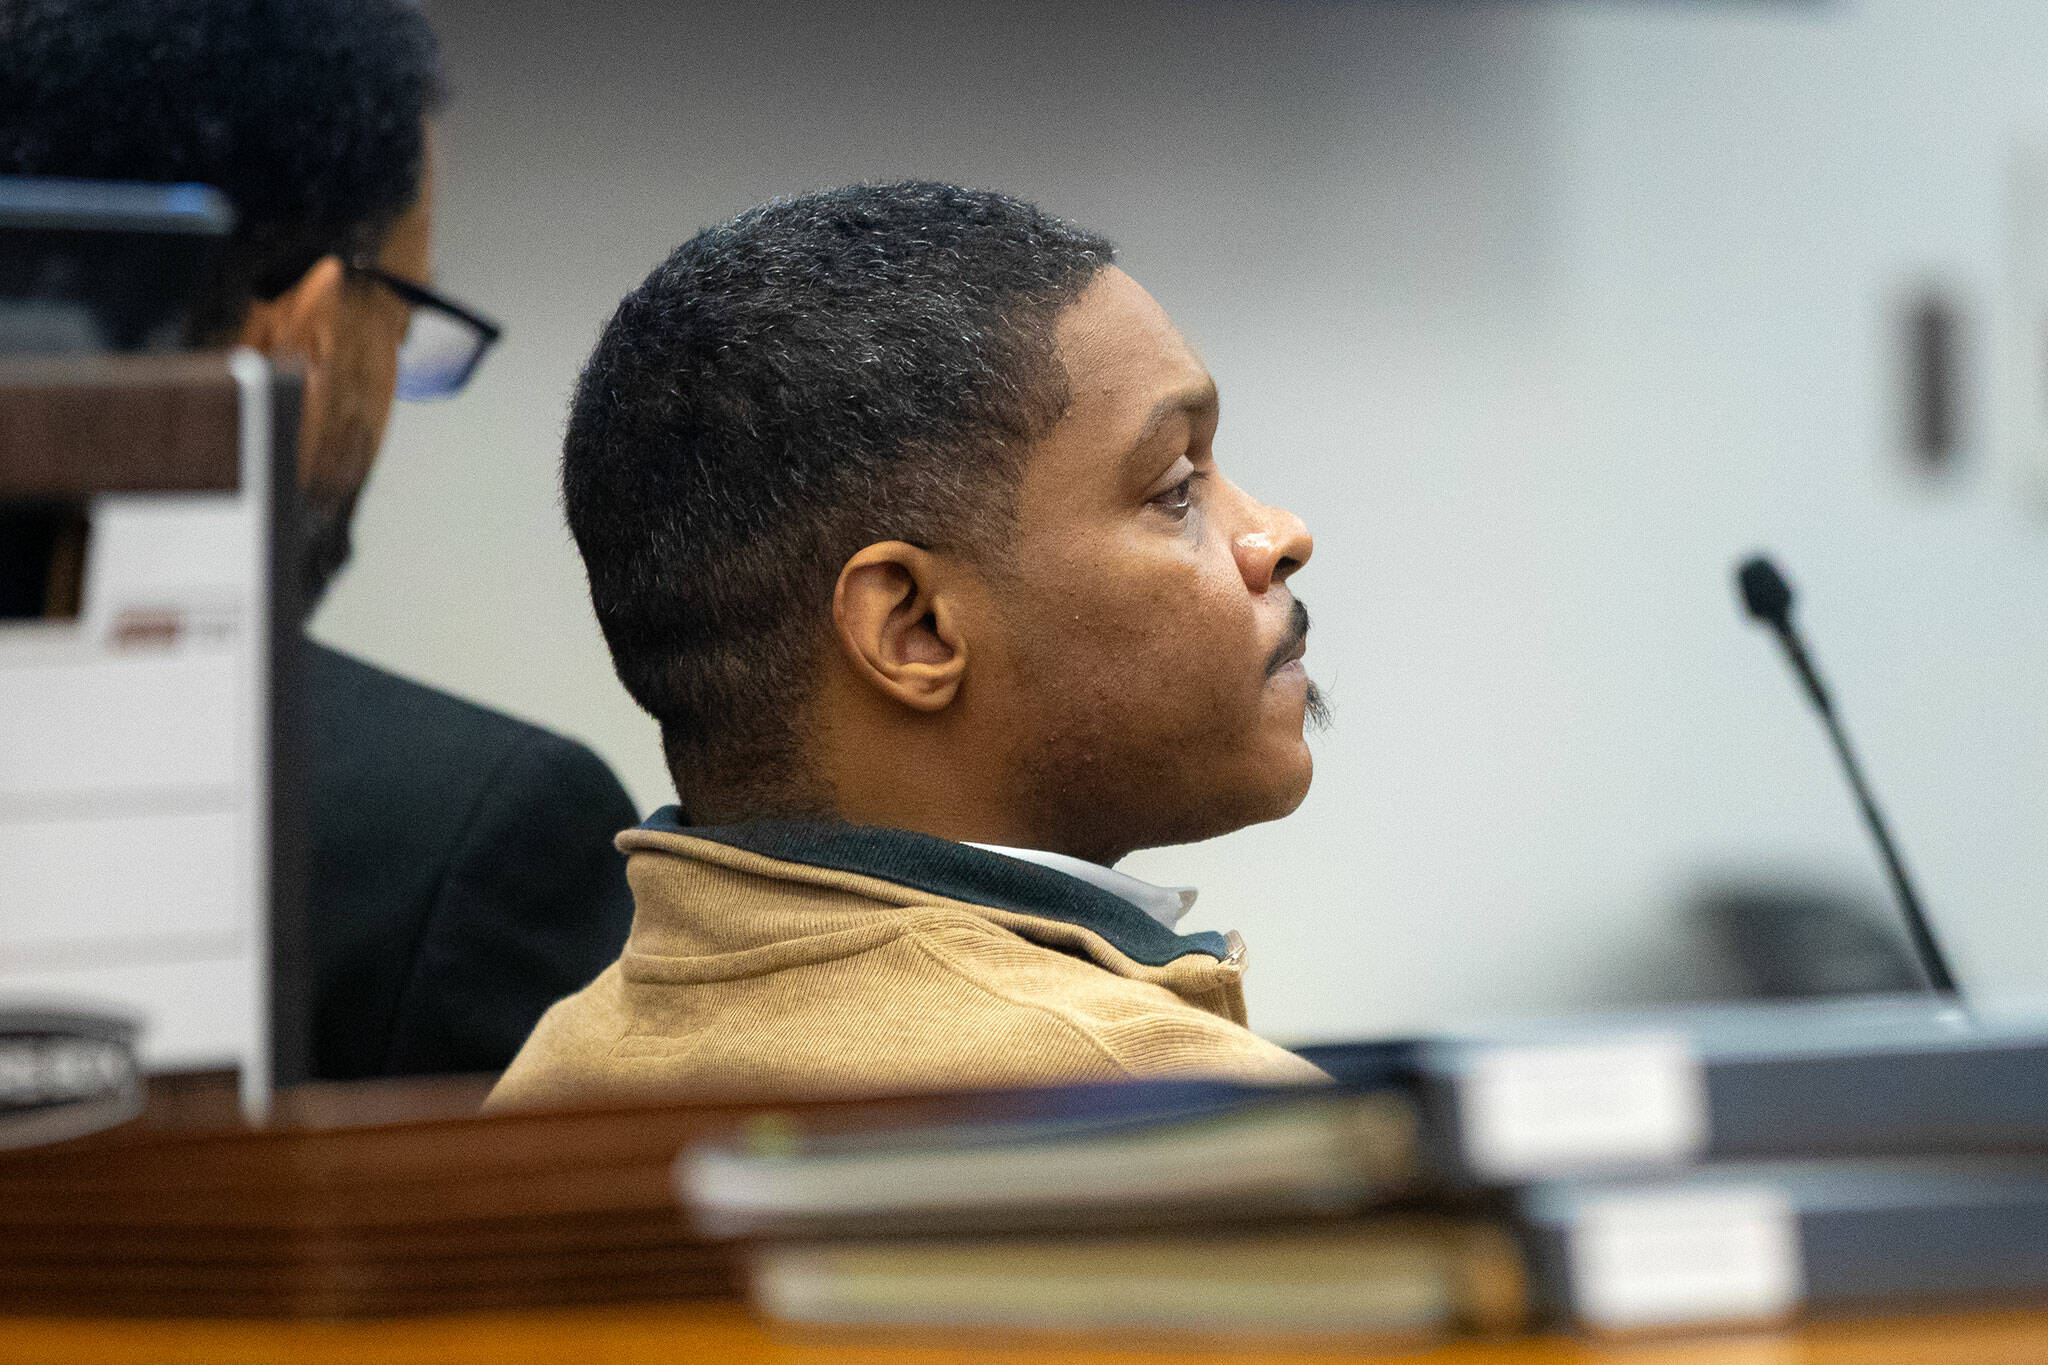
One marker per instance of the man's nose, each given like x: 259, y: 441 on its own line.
x: 1272, y: 546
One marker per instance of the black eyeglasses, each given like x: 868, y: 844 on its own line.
x: 444, y: 343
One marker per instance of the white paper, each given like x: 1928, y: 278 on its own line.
x: 1672, y: 1258
x: 1555, y: 1109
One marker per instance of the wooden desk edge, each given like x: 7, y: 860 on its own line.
x: 725, y: 1333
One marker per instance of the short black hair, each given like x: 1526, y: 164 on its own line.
x: 860, y: 364
x: 307, y: 114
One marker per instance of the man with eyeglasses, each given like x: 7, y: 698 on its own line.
x: 462, y: 871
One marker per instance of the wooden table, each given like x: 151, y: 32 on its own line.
x: 722, y: 1333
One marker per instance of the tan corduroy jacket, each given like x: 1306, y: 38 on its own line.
x: 814, y: 960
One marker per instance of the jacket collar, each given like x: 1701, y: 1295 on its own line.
x: 959, y: 872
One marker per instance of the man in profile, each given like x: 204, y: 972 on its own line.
x: 902, y: 517
x: 462, y: 875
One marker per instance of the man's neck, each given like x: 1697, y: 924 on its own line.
x: 896, y: 781
x: 939, y: 774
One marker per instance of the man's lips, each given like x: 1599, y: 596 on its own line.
x: 1294, y: 645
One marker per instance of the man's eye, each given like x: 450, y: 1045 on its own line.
x: 1174, y: 501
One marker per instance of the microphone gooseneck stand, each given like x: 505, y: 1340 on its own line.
x: 1768, y: 598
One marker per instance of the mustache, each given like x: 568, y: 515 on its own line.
x: 1293, y: 641
x: 1318, y: 712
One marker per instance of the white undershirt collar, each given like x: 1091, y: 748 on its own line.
x: 1164, y: 903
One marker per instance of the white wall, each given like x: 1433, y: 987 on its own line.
x: 1541, y: 314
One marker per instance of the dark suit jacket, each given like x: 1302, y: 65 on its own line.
x: 460, y: 873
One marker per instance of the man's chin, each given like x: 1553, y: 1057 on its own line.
x: 1283, y: 786
x: 1293, y: 768
x: 1290, y: 797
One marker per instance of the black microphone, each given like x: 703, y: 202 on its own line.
x: 1769, y: 599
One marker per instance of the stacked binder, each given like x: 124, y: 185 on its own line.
x: 1716, y: 1166
x: 1172, y: 1210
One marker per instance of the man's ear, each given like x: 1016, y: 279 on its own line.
x: 896, y: 614
x: 304, y: 320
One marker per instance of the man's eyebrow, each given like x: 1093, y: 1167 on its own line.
x: 1200, y: 398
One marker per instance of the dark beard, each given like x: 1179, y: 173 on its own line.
x: 324, y: 544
